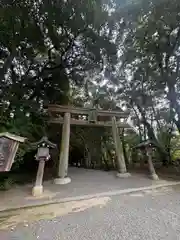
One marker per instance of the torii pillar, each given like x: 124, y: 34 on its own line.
x: 122, y: 170
x: 64, y: 152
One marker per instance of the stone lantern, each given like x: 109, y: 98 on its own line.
x: 9, y: 144
x: 42, y: 156
x: 148, y: 146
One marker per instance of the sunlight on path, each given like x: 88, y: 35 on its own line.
x: 49, y: 211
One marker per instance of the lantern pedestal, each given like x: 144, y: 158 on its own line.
x: 62, y: 181
x: 152, y: 170
x: 37, y: 191
x: 38, y: 188
x: 123, y: 175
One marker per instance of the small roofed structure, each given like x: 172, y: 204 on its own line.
x: 13, y: 137
x: 146, y: 144
x: 44, y: 142
x: 9, y: 144
x: 42, y: 156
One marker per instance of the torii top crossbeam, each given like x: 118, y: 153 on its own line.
x: 89, y: 117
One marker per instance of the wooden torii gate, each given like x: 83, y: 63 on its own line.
x: 90, y: 117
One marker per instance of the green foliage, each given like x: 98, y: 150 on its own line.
x: 73, y: 49
x: 26, y: 127
x: 151, y: 46
x: 45, y: 47
x: 6, y: 183
x: 175, y: 148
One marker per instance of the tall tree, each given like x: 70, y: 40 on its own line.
x: 47, y: 45
x: 150, y: 52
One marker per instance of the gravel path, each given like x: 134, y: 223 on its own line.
x: 84, y: 182
x: 145, y: 215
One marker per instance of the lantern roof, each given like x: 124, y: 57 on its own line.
x: 146, y: 143
x: 13, y: 137
x: 44, y: 141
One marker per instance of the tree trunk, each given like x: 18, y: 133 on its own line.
x: 172, y: 96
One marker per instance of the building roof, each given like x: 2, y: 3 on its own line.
x: 12, y: 137
x: 146, y: 143
x: 43, y: 140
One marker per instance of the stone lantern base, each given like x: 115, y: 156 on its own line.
x: 37, y: 191
x: 62, y: 181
